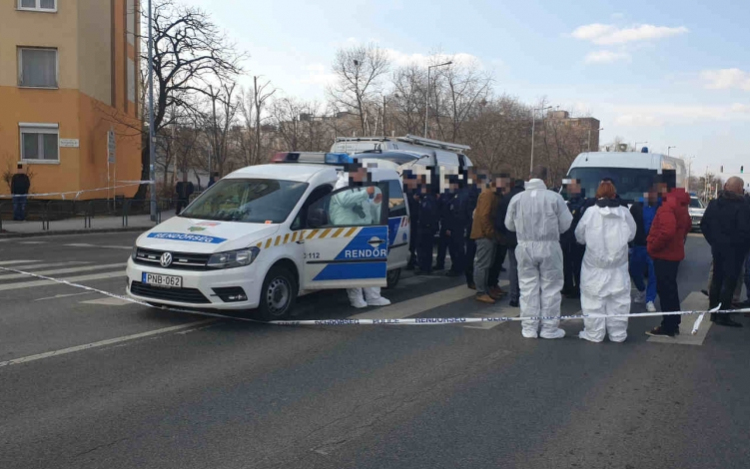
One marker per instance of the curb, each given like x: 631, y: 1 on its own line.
x: 10, y: 235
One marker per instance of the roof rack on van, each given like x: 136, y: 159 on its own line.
x: 428, y: 142
x: 361, y: 139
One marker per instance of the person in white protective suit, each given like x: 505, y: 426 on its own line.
x: 605, y: 229
x: 359, y: 207
x: 539, y: 216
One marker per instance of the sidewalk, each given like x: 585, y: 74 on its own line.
x: 77, y: 225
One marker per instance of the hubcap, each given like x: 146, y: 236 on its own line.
x: 278, y: 295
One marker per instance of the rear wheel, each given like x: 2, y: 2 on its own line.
x: 278, y: 295
x: 393, y: 277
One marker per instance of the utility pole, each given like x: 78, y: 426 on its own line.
x: 427, y: 95
x: 151, y: 149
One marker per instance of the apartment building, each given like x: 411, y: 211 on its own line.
x: 69, y: 76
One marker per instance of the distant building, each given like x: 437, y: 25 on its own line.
x: 68, y: 74
x: 583, y: 126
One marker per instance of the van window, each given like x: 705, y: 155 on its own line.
x: 247, y: 200
x: 396, y: 201
x: 300, y: 221
x: 351, y: 206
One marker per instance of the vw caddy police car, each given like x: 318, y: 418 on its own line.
x: 263, y: 235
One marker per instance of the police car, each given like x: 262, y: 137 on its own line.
x: 262, y: 236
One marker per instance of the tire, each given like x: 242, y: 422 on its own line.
x: 393, y: 277
x: 278, y: 295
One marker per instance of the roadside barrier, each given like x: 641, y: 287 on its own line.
x: 373, y: 322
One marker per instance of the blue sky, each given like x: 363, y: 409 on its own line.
x: 673, y: 74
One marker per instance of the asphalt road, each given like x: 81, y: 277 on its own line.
x: 101, y: 383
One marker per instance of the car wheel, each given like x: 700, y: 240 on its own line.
x: 278, y: 295
x: 393, y: 277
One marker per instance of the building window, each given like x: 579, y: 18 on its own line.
x: 40, y: 143
x: 131, y: 80
x: 130, y: 18
x: 38, y: 5
x: 37, y: 68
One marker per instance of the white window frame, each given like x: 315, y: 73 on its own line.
x: 38, y: 7
x: 20, y: 68
x: 41, y: 129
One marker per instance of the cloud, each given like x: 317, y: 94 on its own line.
x: 727, y: 78
x: 606, y: 57
x: 318, y: 74
x: 658, y: 115
x: 401, y: 59
x: 609, y: 34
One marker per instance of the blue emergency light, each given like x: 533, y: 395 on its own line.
x: 338, y: 158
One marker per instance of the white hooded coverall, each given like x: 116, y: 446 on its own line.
x: 341, y: 214
x: 605, y: 281
x: 539, y: 216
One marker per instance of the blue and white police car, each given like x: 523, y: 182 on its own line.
x: 264, y: 235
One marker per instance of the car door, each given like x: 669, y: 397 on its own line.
x: 346, y: 244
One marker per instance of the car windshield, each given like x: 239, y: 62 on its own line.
x: 695, y: 203
x: 247, y: 201
x: 631, y: 183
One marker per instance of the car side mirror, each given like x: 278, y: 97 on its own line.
x: 316, y: 218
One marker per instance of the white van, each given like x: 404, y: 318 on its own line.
x: 262, y: 236
x: 433, y: 153
x: 633, y: 173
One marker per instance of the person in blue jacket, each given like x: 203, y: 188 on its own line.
x: 428, y: 225
x: 643, y: 212
x: 456, y: 222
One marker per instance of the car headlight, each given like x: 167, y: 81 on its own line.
x: 229, y: 259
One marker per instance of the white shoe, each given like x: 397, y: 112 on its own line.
x: 529, y: 334
x: 639, y: 296
x: 556, y: 334
x: 359, y: 304
x: 583, y: 335
x: 378, y: 302
x: 650, y: 307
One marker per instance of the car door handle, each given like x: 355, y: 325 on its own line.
x: 375, y: 242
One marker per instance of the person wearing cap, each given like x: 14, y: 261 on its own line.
x: 19, y: 188
x: 455, y: 222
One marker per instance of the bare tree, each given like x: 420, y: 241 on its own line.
x: 252, y: 106
x: 359, y: 71
x: 189, y: 52
x: 219, y: 120
x: 458, y: 91
x: 409, y: 85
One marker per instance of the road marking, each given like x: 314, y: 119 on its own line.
x: 695, y: 301
x: 64, y: 296
x: 104, y: 343
x: 418, y: 305
x: 33, y: 267
x: 33, y: 242
x: 71, y: 270
x: 43, y: 283
x: 87, y: 245
x: 108, y: 301
x: 16, y: 262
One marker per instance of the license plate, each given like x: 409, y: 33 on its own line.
x: 164, y: 281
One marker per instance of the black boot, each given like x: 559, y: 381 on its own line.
x: 726, y: 320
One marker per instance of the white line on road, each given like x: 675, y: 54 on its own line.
x: 33, y: 242
x: 16, y: 262
x: 87, y: 245
x: 104, y: 343
x: 71, y: 270
x: 64, y: 296
x: 107, y: 301
x: 43, y: 283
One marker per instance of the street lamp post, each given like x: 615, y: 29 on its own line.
x: 427, y: 95
x: 669, y: 149
x: 635, y: 145
x: 533, y: 127
x: 690, y: 166
x: 151, y: 149
x: 589, y: 141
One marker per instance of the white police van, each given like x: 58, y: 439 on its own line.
x: 262, y: 236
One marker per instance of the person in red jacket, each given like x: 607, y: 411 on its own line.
x: 666, y: 246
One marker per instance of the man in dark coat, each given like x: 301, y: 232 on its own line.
x: 183, y: 190
x: 572, y: 251
x: 511, y: 242
x: 726, y: 227
x: 427, y: 227
x: 19, y: 187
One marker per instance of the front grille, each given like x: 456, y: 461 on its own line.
x: 180, y: 260
x: 181, y: 295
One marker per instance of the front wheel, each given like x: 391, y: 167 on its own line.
x: 278, y: 295
x: 393, y: 277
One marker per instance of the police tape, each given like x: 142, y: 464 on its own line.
x: 377, y: 322
x: 77, y: 193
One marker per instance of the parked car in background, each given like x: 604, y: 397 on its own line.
x: 696, y: 210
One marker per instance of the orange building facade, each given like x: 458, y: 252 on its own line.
x: 69, y: 76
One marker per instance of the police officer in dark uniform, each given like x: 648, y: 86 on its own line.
x: 443, y: 238
x: 428, y: 225
x: 572, y: 251
x: 456, y: 222
x: 412, y: 196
